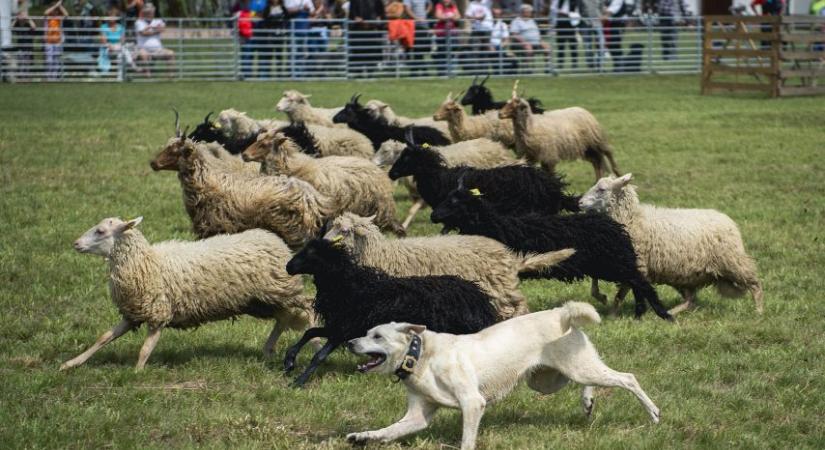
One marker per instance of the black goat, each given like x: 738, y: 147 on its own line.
x: 603, y: 247
x: 302, y: 137
x: 513, y: 189
x: 378, y: 130
x: 208, y: 132
x: 351, y: 299
x: 481, y: 98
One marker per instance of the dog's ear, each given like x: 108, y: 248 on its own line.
x: 410, y: 328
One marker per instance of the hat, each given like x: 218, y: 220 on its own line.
x: 526, y: 7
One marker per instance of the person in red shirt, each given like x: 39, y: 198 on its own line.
x: 445, y: 30
x: 244, y: 17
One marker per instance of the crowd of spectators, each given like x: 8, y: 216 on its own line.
x: 488, y: 35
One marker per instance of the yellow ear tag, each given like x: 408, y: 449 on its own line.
x: 216, y: 125
x: 336, y: 241
x: 475, y: 192
x: 426, y: 145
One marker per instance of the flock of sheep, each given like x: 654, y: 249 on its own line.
x: 321, y: 184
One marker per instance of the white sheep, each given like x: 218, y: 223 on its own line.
x: 296, y: 106
x: 186, y: 284
x: 559, y: 135
x: 220, y: 200
x: 683, y: 248
x: 487, y: 262
x: 379, y: 109
x: 482, y: 153
x: 352, y: 184
x: 464, y: 127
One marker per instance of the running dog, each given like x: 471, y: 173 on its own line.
x: 469, y: 371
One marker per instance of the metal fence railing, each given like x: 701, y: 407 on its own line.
x: 101, y: 49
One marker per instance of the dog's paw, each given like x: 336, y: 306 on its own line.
x: 358, y: 438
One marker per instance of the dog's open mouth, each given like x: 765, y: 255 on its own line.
x: 376, y: 359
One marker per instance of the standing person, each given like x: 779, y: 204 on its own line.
x: 617, y: 12
x: 593, y: 33
x: 148, y: 30
x: 447, y: 15
x: 671, y: 14
x: 24, y: 31
x: 365, y: 35
x: 270, y: 35
x: 768, y: 8
x: 133, y: 8
x: 499, y: 39
x: 244, y: 17
x: 481, y: 24
x: 299, y: 12
x: 566, y: 19
x: 421, y: 9
x: 54, y: 39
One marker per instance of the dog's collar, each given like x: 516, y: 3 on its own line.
x: 410, y: 359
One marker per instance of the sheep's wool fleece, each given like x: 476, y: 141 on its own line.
x: 352, y: 184
x: 341, y: 142
x: 474, y: 258
x: 185, y: 284
x: 488, y: 125
x: 558, y: 135
x: 684, y: 248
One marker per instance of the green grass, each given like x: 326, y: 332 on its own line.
x: 723, y: 375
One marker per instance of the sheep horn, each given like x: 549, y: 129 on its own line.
x: 183, y: 135
x: 206, y: 119
x: 515, y: 88
x: 460, y: 93
x: 461, y: 181
x: 475, y: 79
x: 409, y: 137
x: 177, y: 122
x: 484, y: 80
x: 354, y: 98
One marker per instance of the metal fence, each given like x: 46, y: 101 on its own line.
x: 211, y: 49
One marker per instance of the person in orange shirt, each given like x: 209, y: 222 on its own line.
x: 53, y: 39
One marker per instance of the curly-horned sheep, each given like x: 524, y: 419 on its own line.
x: 603, y: 247
x: 463, y: 127
x: 296, y: 106
x: 321, y: 141
x: 479, y: 96
x: 352, y: 184
x: 381, y: 110
x: 219, y: 201
x: 186, y: 284
x: 559, y: 135
x: 351, y: 299
x: 515, y: 189
x: 234, y: 130
x: 357, y: 117
x: 487, y: 262
x: 684, y: 248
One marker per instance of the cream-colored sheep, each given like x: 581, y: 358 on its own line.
x: 234, y: 163
x: 238, y: 125
x: 379, y: 109
x: 186, y: 284
x: 481, y: 153
x: 684, y: 248
x: 340, y: 142
x: 352, y: 184
x: 559, y: 135
x: 464, y: 128
x: 475, y: 258
x: 296, y: 106
x: 220, y: 201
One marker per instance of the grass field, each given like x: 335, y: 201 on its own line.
x: 723, y: 376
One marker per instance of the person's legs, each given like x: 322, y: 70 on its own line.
x: 668, y: 38
x: 614, y: 45
x: 246, y: 58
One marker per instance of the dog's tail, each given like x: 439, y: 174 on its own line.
x: 539, y: 262
x: 578, y: 314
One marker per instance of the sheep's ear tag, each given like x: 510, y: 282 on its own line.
x: 426, y: 145
x: 337, y: 241
x: 216, y: 124
x: 475, y: 192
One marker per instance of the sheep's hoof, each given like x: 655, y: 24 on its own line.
x: 288, y: 366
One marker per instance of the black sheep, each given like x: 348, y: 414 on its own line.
x: 208, y: 132
x: 302, y: 137
x: 481, y: 98
x: 603, y: 247
x: 513, y: 189
x: 378, y: 130
x: 351, y: 299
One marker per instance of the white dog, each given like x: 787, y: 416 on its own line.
x: 467, y: 372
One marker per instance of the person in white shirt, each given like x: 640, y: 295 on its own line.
x: 617, y: 12
x: 481, y: 23
x: 525, y: 35
x: 148, y: 30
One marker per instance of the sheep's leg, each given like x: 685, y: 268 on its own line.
x: 148, y: 345
x: 689, y: 295
x: 620, y: 295
x: 117, y: 331
x: 319, y: 357
x: 277, y: 330
x: 608, y: 153
x: 587, y: 401
x: 411, y: 214
x: 292, y: 353
x: 548, y: 167
x: 756, y: 293
x: 594, y: 291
